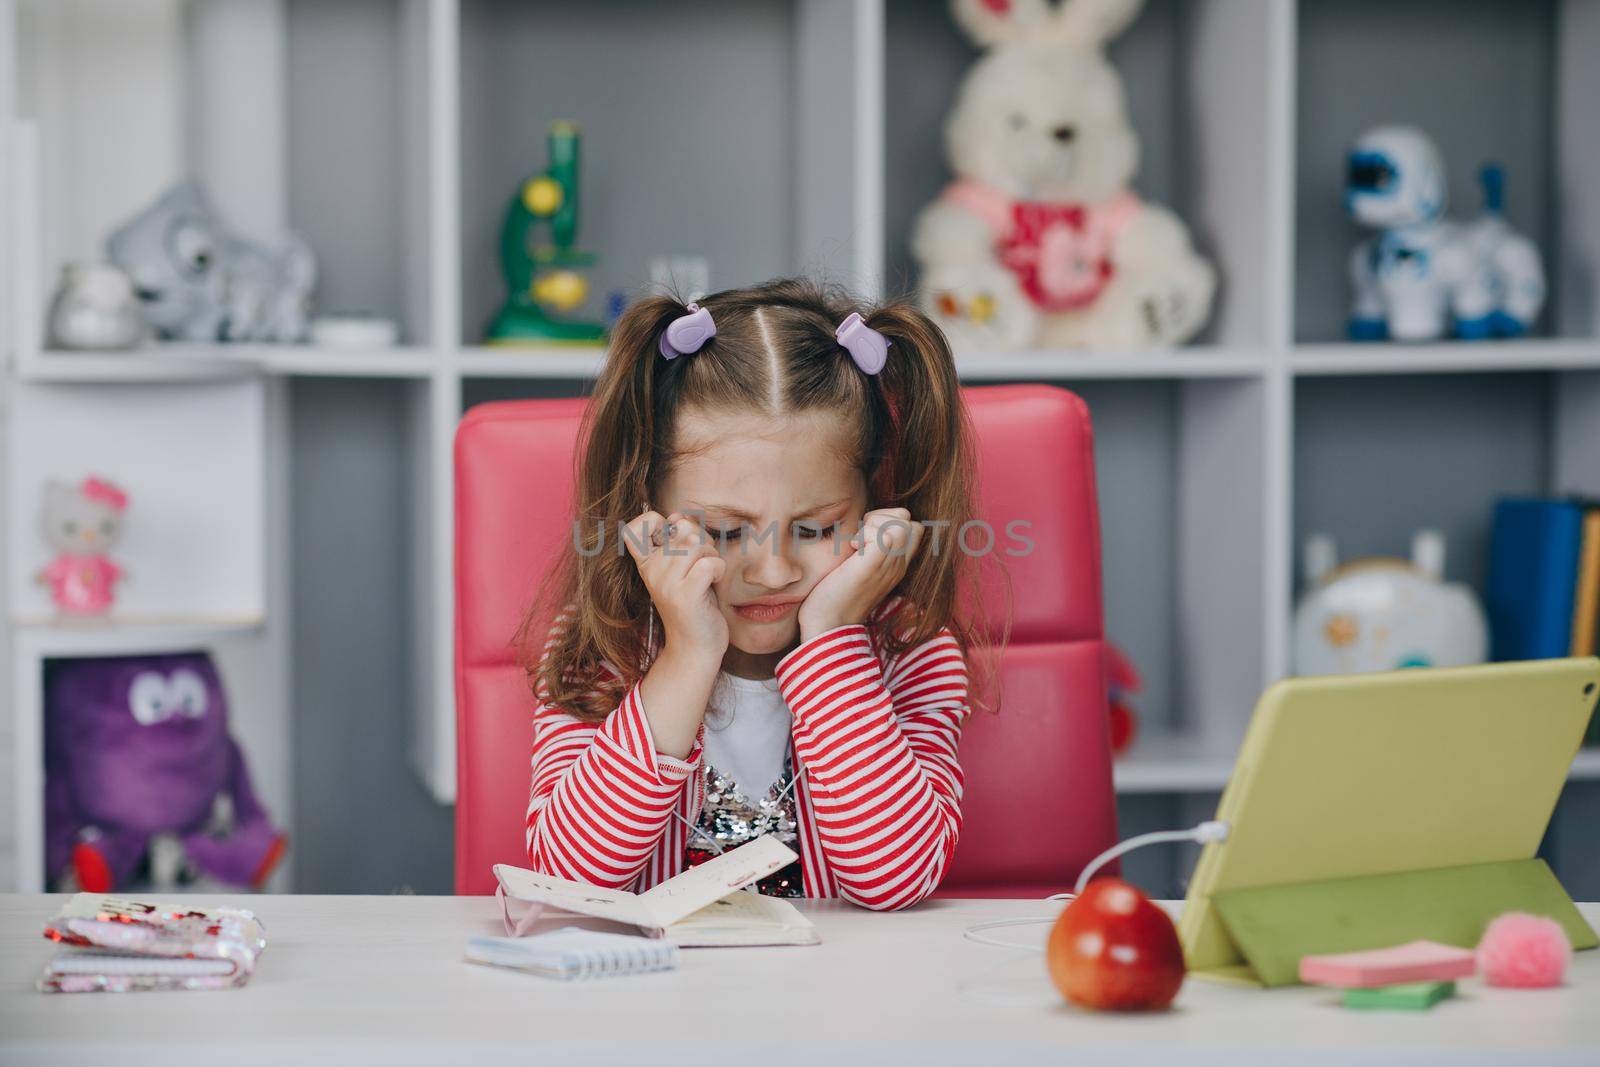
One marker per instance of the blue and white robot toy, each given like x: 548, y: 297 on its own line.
x: 1422, y: 271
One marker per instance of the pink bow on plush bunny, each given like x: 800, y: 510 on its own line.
x: 1061, y: 253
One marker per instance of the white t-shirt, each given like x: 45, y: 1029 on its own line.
x: 747, y: 732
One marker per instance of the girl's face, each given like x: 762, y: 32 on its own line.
x: 780, y: 499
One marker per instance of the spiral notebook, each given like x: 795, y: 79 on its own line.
x: 573, y: 953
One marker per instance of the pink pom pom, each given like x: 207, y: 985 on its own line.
x: 1521, y: 951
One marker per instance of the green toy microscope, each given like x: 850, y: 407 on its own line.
x: 546, y: 280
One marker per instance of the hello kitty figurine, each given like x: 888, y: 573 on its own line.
x: 82, y: 525
x: 1039, y: 241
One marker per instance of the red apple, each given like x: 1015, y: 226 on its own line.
x: 1113, y: 950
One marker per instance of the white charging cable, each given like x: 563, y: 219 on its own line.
x: 1210, y: 830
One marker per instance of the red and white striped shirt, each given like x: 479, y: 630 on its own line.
x: 874, y: 747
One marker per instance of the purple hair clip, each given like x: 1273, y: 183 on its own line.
x: 868, y: 347
x: 687, y: 333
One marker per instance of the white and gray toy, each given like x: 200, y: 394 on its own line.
x: 1385, y: 614
x: 94, y: 309
x: 198, y: 280
x: 1423, y: 273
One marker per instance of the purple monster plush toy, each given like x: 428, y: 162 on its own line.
x: 139, y: 746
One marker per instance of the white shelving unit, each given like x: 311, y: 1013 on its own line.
x: 172, y: 362
x: 1310, y: 360
x: 805, y: 136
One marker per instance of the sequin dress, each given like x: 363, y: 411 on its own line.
x: 748, y: 729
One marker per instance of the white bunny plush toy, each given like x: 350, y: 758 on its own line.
x: 1039, y: 241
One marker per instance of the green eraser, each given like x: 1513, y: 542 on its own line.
x: 1412, y: 996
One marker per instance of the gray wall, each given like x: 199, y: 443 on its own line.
x: 1569, y: 845
x: 346, y: 188
x: 1378, y: 458
x: 1162, y: 871
x: 1476, y: 75
x: 475, y: 391
x: 364, y: 821
x: 1135, y: 441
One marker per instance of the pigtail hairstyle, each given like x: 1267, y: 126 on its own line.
x: 929, y: 467
x: 594, y: 603
x: 774, y: 353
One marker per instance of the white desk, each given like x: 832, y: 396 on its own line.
x: 364, y: 979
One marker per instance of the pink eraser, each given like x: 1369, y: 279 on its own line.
x: 1419, y: 961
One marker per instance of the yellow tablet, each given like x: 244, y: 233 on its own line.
x: 1341, y: 780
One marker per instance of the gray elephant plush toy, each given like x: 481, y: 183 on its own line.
x: 198, y: 280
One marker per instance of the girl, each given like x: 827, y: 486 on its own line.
x: 754, y: 635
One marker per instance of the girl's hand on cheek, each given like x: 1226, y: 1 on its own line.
x: 681, y: 572
x: 879, y: 557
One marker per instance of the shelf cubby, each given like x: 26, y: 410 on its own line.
x: 251, y: 680
x: 356, y: 174
x: 1377, y: 459
x: 193, y: 541
x: 1200, y: 84
x: 295, y: 115
x: 698, y: 121
x: 1489, y: 82
x: 361, y: 593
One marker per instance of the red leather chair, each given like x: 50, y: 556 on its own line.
x: 1038, y: 802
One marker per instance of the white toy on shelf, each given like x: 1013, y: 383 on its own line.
x: 94, y: 309
x: 1423, y: 271
x: 1385, y: 614
x: 1039, y: 240
x: 199, y: 280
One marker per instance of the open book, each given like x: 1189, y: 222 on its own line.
x: 704, y: 906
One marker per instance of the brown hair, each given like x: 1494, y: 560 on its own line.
x: 775, y: 353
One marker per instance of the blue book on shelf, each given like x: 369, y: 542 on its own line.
x: 1533, y: 574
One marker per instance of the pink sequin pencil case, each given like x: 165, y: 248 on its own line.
x: 113, y: 945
